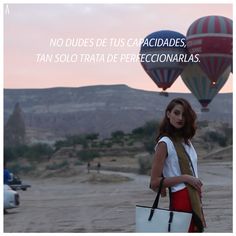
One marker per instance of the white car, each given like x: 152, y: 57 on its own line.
x: 11, y: 198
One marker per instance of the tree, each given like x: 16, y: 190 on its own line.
x: 117, y: 134
x: 92, y: 136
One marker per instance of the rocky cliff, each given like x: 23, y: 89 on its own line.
x: 56, y: 112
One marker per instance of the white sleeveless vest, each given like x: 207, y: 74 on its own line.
x: 171, y: 166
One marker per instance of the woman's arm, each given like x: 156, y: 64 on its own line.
x: 157, y: 169
x: 157, y: 165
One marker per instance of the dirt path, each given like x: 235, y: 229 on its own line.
x: 73, y: 205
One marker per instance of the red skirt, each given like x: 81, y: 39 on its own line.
x: 181, y: 202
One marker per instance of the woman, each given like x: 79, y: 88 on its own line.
x: 175, y: 133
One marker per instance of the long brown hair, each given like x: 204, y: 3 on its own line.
x: 189, y: 129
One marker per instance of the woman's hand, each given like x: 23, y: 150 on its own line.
x: 193, y: 181
x: 163, y: 192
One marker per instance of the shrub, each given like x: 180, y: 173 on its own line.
x: 87, y: 155
x: 33, y: 152
x: 73, y: 140
x: 18, y: 169
x: 109, y: 144
x: 92, y: 136
x: 145, y: 165
x: 9, y: 154
x: 117, y: 135
x: 202, y: 124
x: 56, y: 166
x: 38, y: 151
x: 214, y: 136
x: 228, y: 132
x: 78, y: 163
x: 149, y: 145
x: 130, y: 143
x: 138, y: 132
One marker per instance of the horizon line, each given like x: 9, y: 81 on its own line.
x: 75, y: 87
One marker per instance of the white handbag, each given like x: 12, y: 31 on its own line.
x: 154, y: 219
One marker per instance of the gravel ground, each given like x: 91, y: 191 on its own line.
x: 76, y: 204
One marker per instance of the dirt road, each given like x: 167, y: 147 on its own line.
x: 73, y: 204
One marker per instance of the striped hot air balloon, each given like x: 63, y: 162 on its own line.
x: 199, y: 84
x: 211, y: 38
x: 163, y: 72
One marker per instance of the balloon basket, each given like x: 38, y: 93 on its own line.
x: 205, y: 109
x: 214, y: 85
x: 163, y: 93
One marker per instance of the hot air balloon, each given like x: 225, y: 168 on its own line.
x: 199, y: 84
x: 211, y: 38
x: 163, y: 73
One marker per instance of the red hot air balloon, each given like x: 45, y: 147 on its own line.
x: 211, y: 38
x: 164, y: 72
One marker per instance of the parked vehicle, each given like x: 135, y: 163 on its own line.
x: 16, y: 184
x: 11, y: 198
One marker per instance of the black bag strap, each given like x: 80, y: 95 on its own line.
x: 156, y: 201
x: 155, y: 205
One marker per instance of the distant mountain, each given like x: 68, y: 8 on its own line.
x: 56, y: 112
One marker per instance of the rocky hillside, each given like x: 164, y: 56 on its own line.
x: 56, y: 112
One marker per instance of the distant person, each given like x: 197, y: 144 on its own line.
x: 98, y: 167
x: 7, y: 175
x: 179, y: 170
x: 88, y: 167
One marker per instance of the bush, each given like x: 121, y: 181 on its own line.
x: 117, y: 135
x: 92, y: 136
x: 202, y: 124
x: 101, y: 144
x: 33, y: 152
x: 145, y: 165
x: 61, y: 143
x: 57, y: 166
x: 38, y: 151
x: 73, y: 140
x: 149, y: 145
x: 9, y: 154
x: 228, y: 132
x: 94, y: 145
x: 78, y: 163
x: 13, y: 153
x: 87, y: 155
x: 214, y: 136
x: 109, y: 144
x: 130, y: 143
x: 150, y: 128
x: 18, y: 169
x: 138, y: 132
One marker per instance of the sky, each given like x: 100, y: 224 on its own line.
x: 37, y: 35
